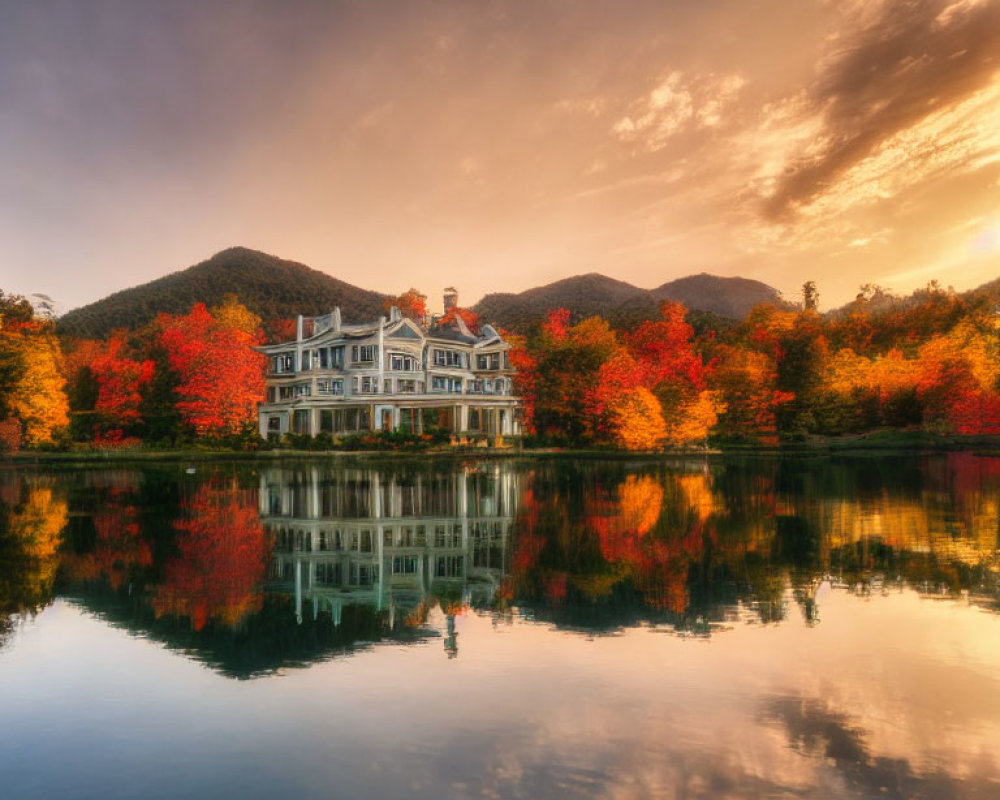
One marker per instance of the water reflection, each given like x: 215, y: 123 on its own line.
x: 398, y: 541
x: 32, y: 518
x: 252, y: 569
x: 819, y: 628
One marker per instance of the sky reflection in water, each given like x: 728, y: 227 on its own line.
x: 740, y: 628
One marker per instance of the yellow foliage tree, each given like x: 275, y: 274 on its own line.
x: 38, y: 398
x: 694, y: 419
x: 637, y: 420
x: 232, y: 314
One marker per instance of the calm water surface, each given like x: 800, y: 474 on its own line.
x: 800, y: 628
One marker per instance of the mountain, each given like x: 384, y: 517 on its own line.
x: 724, y: 297
x: 271, y: 287
x: 584, y: 295
x: 623, y: 304
x: 274, y: 288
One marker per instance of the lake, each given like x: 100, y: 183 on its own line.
x: 757, y: 627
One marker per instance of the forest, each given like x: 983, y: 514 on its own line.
x: 925, y: 364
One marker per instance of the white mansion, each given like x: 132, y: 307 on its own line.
x: 392, y: 374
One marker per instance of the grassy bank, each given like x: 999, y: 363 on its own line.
x: 874, y: 442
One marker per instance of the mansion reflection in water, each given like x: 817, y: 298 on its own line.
x: 255, y: 567
x: 390, y: 540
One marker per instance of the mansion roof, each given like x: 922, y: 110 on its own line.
x: 328, y: 328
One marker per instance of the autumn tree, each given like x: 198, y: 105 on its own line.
x: 32, y: 389
x: 669, y: 366
x: 220, y: 375
x: 120, y: 380
x: 568, y: 371
x: 411, y: 304
x: 525, y: 379
x: 469, y: 318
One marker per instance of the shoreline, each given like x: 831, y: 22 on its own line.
x: 858, y: 445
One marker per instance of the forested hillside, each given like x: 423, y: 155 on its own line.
x: 622, y: 304
x: 270, y: 287
x: 725, y: 297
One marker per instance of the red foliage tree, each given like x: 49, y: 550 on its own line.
x: 120, y: 380
x: 221, y: 375
x: 470, y: 318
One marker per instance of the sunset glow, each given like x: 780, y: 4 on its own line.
x: 502, y: 145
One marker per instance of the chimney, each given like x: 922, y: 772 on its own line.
x: 450, y: 298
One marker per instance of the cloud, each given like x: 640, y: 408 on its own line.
x: 673, y: 103
x: 654, y: 119
x: 721, y: 93
x: 885, y: 75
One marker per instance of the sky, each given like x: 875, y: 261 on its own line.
x: 497, y: 146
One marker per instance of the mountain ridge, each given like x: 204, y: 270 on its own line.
x: 269, y: 286
x: 275, y: 288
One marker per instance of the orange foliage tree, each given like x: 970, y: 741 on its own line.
x: 411, y: 304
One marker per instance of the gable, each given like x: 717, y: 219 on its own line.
x: 405, y: 331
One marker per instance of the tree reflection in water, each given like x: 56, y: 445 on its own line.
x: 254, y: 569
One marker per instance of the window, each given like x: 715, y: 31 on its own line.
x: 300, y: 422
x: 449, y: 358
x: 406, y: 386
x: 369, y: 384
x: 328, y: 574
x: 330, y: 386
x: 488, y: 361
x: 364, y: 353
x: 401, y: 363
x: 448, y: 566
x: 404, y: 565
x: 387, y: 386
x: 274, y: 424
x: 303, y: 389
x: 284, y: 362
x: 272, y: 394
x: 440, y: 383
x: 363, y: 574
x: 286, y: 392
x: 474, y: 421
